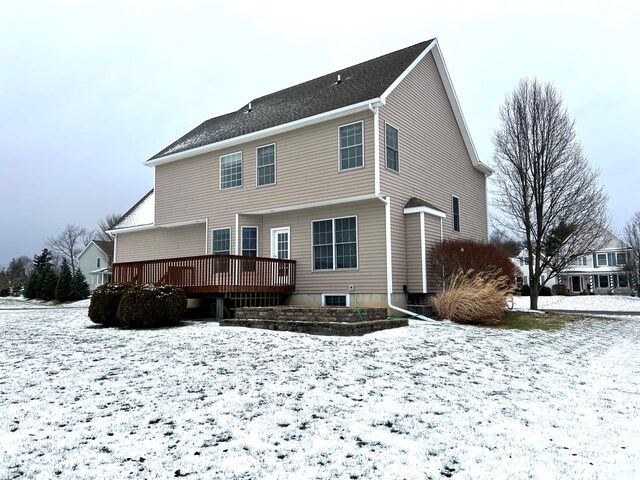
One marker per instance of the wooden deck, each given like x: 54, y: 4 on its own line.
x: 213, y: 273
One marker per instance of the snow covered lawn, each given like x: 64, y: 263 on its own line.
x: 610, y: 303
x: 432, y: 400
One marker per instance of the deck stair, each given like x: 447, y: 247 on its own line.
x: 315, y: 320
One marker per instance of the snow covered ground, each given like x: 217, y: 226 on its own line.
x: 608, y: 303
x: 432, y: 400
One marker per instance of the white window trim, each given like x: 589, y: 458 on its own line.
x: 606, y: 260
x: 218, y: 229
x: 340, y: 169
x: 257, y: 238
x: 348, y: 297
x: 333, y: 242
x: 275, y: 166
x: 386, y: 164
x: 273, y: 245
x: 453, y: 215
x: 220, y: 170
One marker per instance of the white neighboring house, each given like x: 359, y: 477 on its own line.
x: 597, y: 272
x: 521, y: 261
x: 600, y: 271
x: 95, y: 262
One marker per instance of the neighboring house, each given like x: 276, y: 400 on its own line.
x: 95, y: 262
x: 346, y: 181
x: 600, y: 271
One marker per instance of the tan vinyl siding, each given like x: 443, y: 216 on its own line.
x: 369, y: 277
x: 161, y: 243
x: 432, y: 237
x: 307, y: 170
x: 413, y: 252
x: 434, y: 162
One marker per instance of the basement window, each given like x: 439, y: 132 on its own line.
x: 335, y: 300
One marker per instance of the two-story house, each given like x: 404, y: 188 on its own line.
x: 600, y: 271
x: 331, y: 191
x: 95, y: 262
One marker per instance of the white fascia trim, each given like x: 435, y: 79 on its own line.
x: 430, y: 211
x: 136, y: 228
x: 457, y: 111
x: 303, y: 122
x: 182, y: 224
x: 324, y: 203
x: 408, y: 70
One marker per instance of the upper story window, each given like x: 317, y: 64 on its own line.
x: 266, y: 165
x: 601, y: 259
x: 98, y: 262
x: 351, y: 146
x: 391, y: 142
x: 621, y: 258
x: 221, y: 241
x: 231, y: 170
x: 335, y: 244
x: 455, y: 207
x: 582, y: 260
x: 250, y: 241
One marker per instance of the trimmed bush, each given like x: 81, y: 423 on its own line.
x: 544, y: 291
x: 473, y: 297
x: 105, y: 299
x: 451, y: 256
x: 525, y: 290
x: 559, y: 289
x: 146, y: 306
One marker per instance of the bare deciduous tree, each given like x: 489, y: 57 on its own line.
x: 107, y: 223
x: 69, y: 243
x: 632, y: 237
x: 548, y: 193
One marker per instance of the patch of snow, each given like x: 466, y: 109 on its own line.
x: 425, y: 401
x: 609, y: 303
x: 143, y: 214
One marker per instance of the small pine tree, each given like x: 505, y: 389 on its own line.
x: 63, y: 288
x: 32, y: 285
x: 79, y: 289
x: 47, y: 290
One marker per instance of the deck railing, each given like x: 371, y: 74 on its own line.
x: 213, y: 273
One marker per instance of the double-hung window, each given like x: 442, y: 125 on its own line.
x: 601, y: 260
x: 231, y: 170
x: 455, y: 207
x: 221, y: 245
x: 621, y: 258
x: 351, y: 155
x: 266, y: 165
x: 391, y: 142
x: 335, y: 244
x: 250, y: 241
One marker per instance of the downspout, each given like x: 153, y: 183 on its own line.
x: 387, y: 213
x: 206, y: 234
x: 237, y: 233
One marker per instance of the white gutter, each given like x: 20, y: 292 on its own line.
x: 423, y: 254
x: 136, y: 228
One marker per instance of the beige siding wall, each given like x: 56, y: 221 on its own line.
x: 161, y: 243
x: 369, y: 277
x: 434, y: 162
x: 306, y: 171
x: 413, y: 252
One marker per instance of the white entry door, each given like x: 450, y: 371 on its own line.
x: 280, y: 245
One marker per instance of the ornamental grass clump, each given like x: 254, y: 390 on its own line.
x: 474, y: 297
x: 147, y: 306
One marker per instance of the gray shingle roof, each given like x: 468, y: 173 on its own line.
x: 359, y: 83
x: 418, y: 202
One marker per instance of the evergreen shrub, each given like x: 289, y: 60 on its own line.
x: 105, y: 299
x: 544, y: 291
x: 146, y: 306
x: 525, y: 290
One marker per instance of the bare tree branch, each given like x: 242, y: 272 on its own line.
x: 548, y: 193
x: 69, y: 243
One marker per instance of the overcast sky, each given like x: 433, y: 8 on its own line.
x: 90, y: 90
